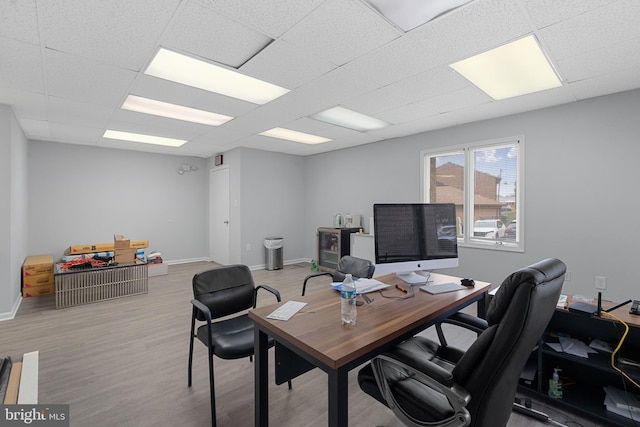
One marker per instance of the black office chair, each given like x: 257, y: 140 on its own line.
x: 431, y: 384
x: 220, y: 292
x: 358, y: 268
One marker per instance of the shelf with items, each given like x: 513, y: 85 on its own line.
x: 584, y: 378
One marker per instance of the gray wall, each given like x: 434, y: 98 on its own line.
x: 581, y: 172
x: 13, y: 215
x: 81, y: 195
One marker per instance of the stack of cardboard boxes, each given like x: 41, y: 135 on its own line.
x: 37, y: 276
x: 124, y: 253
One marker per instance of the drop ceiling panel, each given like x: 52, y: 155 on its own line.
x: 161, y: 126
x: 71, y: 112
x: 548, y: 12
x: 86, y: 80
x: 35, y: 129
x: 76, y: 134
x: 271, y: 18
x: 20, y: 66
x: 201, y: 31
x: 456, y: 100
x: 341, y: 31
x: 119, y: 32
x: 28, y: 105
x: 429, y: 84
x: 407, y: 113
x: 286, y: 65
x: 594, y: 30
x: 375, y: 101
x: 605, y: 84
x: 19, y: 21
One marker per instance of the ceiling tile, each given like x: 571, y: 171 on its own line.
x: 547, y: 12
x: 117, y: 32
x: 381, y: 99
x: 70, y: 112
x: 286, y: 65
x: 29, y: 105
x: 605, y: 84
x: 19, y: 21
x: 20, y: 66
x: 593, y: 30
x: 456, y: 100
x: 35, y: 129
x: 75, y: 133
x: 269, y: 17
x: 341, y: 31
x: 86, y: 80
x: 429, y: 84
x: 201, y: 31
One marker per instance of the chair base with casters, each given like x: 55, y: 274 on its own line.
x: 358, y: 268
x: 427, y: 383
x: 221, y: 292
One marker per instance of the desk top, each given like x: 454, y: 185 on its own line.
x: 317, y: 329
x: 623, y: 312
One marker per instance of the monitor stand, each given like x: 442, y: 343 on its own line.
x: 415, y: 277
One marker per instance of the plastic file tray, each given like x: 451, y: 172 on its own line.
x: 100, y: 284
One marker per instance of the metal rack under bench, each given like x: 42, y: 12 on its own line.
x: 99, y: 284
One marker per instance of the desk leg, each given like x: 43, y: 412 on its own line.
x: 482, y: 305
x: 261, y: 385
x: 338, y: 395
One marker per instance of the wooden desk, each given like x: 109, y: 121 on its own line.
x: 316, y: 335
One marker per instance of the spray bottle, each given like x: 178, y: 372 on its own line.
x: 555, y: 385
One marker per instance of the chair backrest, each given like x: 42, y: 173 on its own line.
x: 517, y: 316
x: 225, y: 290
x: 357, y: 267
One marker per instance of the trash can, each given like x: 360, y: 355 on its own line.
x: 273, y: 252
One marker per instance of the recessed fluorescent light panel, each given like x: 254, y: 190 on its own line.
x: 344, y: 117
x: 173, y: 111
x: 145, y: 139
x: 204, y: 75
x: 514, y: 69
x: 409, y: 14
x: 292, y: 135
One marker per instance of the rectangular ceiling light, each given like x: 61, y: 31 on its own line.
x: 344, y: 117
x: 173, y: 111
x: 409, y: 14
x: 514, y: 69
x: 204, y: 75
x: 145, y: 139
x: 292, y: 135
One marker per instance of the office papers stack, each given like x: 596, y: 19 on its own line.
x: 286, y: 310
x: 572, y: 346
x: 363, y: 286
x: 622, y: 403
x: 562, y: 302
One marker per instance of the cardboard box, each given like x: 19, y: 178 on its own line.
x: 125, y: 256
x: 38, y: 291
x: 38, y: 280
x: 37, y: 264
x: 121, y: 242
x: 102, y: 247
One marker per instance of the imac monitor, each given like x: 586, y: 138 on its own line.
x: 412, y: 239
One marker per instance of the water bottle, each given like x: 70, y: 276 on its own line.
x: 348, y: 300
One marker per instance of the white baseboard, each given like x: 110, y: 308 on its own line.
x: 10, y: 315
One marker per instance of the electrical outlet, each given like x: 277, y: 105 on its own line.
x: 601, y: 282
x: 248, y: 247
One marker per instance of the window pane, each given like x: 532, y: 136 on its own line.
x: 494, y: 195
x: 446, y: 183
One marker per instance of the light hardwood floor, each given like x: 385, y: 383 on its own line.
x: 124, y: 362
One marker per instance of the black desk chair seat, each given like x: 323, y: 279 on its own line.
x: 358, y: 268
x: 219, y: 293
x: 433, y: 384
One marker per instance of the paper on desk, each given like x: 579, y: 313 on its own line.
x: 363, y: 286
x: 286, y: 310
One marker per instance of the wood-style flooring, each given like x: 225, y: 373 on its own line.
x: 124, y: 362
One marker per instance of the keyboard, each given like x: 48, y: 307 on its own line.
x: 440, y: 288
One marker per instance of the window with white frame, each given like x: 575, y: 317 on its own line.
x: 485, y: 182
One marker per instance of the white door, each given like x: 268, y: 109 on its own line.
x: 219, y: 211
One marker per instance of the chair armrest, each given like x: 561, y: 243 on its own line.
x: 467, y: 321
x: 457, y: 396
x: 274, y: 291
x: 203, y: 309
x: 322, y: 273
x: 417, y: 363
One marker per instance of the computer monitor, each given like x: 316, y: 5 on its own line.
x: 411, y: 239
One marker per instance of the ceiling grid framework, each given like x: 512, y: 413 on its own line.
x: 66, y: 66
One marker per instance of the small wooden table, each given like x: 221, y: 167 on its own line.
x: 316, y: 336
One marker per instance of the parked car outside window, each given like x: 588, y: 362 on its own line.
x: 489, y: 228
x: 510, y: 232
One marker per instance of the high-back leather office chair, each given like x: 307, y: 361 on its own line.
x: 431, y: 384
x: 358, y: 268
x: 221, y: 292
